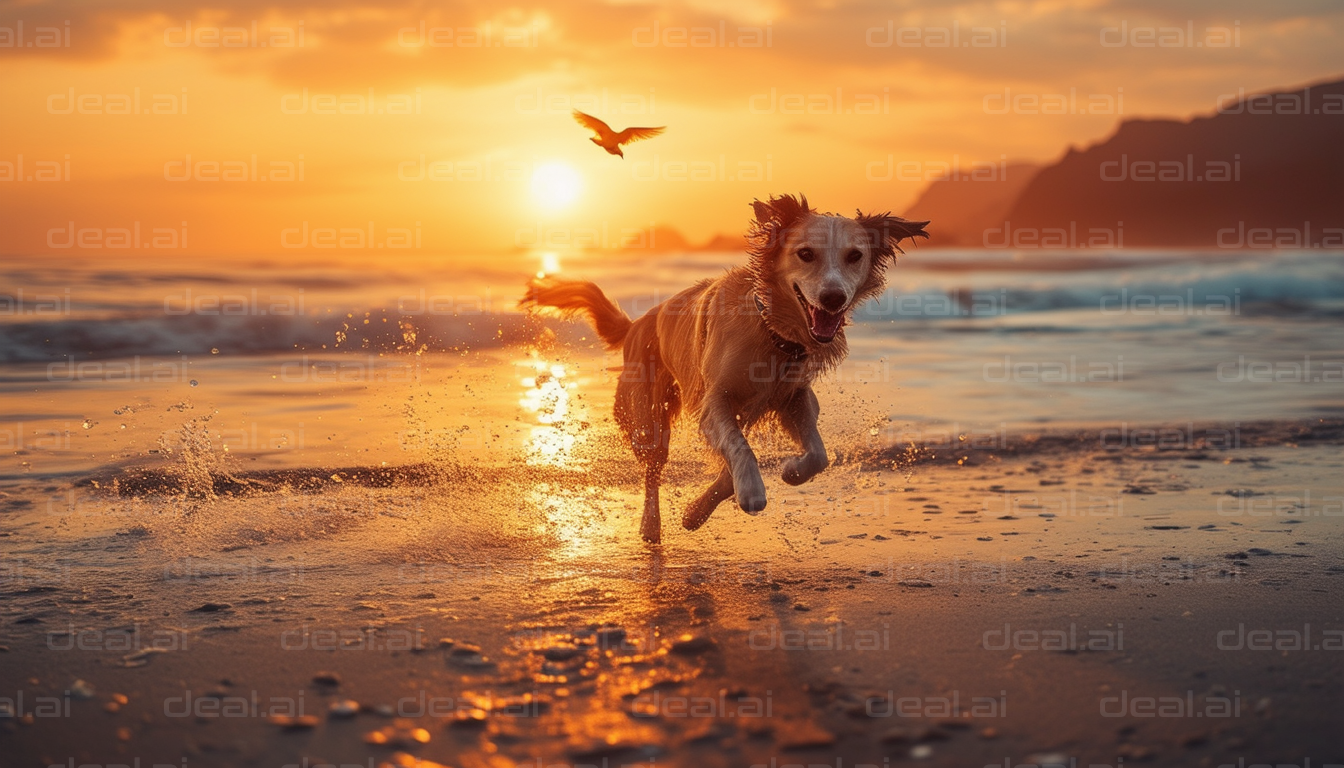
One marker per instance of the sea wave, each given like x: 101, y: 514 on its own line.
x: 90, y: 310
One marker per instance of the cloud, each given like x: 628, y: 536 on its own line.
x: 690, y: 52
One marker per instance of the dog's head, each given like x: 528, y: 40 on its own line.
x: 812, y: 269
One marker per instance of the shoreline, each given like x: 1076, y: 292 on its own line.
x: 862, y: 612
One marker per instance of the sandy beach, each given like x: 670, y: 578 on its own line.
x: 1073, y: 597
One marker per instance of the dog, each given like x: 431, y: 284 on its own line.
x: 742, y: 348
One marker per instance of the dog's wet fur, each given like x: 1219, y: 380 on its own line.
x: 741, y: 348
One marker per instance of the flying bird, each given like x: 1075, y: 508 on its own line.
x: 611, y: 140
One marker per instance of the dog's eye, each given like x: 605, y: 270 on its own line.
x: 806, y: 254
x: 853, y: 257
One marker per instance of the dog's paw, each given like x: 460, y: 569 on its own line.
x: 695, y: 516
x: 750, y: 497
x: 800, y: 469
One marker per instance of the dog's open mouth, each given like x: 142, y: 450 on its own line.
x: 821, y: 324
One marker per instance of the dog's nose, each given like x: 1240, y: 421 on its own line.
x: 832, y: 300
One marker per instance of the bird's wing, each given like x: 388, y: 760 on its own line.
x: 602, y: 130
x: 638, y: 134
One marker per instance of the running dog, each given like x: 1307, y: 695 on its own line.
x: 741, y: 348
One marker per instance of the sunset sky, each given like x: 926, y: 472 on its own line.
x: 439, y: 114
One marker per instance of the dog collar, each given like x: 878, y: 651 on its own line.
x: 793, y: 349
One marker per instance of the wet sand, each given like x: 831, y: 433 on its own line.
x: 1032, y: 601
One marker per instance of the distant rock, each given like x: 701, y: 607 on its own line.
x: 731, y: 243
x: 1262, y: 171
x: 970, y: 202
x: 1258, y: 170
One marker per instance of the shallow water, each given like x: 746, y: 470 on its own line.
x: 350, y: 364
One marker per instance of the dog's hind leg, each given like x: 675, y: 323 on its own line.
x: 799, y: 419
x: 646, y: 401
x: 651, y: 524
x: 699, y: 510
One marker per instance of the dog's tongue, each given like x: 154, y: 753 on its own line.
x: 824, y: 324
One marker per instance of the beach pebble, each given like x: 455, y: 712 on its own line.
x: 407, y: 760
x: 561, y: 653
x: 81, y: 689
x: 805, y: 735
x: 300, y: 723
x: 611, y: 746
x: 608, y: 637
x: 402, y: 733
x: 471, y: 718
x: 690, y: 645
x: 140, y: 658
x: 343, y: 708
x: 327, y: 678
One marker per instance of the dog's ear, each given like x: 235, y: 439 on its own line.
x: 773, y: 219
x: 780, y: 211
x: 888, y: 231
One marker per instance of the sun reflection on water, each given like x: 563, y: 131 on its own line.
x: 549, y: 396
x: 558, y: 419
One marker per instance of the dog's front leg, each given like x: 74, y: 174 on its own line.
x: 799, y: 419
x: 718, y: 423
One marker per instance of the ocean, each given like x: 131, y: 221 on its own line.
x: 115, y: 364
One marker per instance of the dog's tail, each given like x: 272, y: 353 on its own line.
x: 578, y: 297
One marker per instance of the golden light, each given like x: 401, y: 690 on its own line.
x: 556, y: 185
x: 550, y: 264
x: 547, y: 396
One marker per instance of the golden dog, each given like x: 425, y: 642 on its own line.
x: 741, y: 348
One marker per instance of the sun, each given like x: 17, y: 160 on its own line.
x: 556, y: 185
